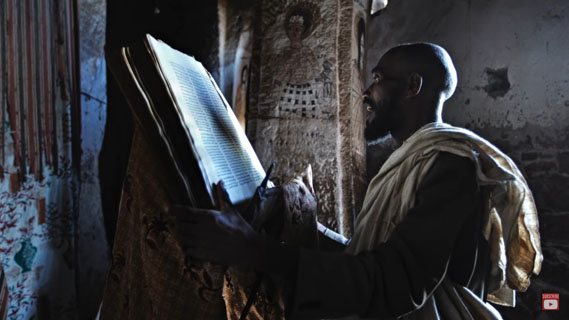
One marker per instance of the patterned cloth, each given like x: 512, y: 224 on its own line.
x: 149, y: 278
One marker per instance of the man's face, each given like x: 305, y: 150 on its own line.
x: 382, y: 99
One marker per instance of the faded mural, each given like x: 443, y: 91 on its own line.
x: 38, y: 184
x: 297, y: 104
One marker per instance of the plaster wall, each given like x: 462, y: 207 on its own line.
x: 91, y: 240
x: 304, y: 108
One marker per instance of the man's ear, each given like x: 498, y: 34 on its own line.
x: 414, y: 84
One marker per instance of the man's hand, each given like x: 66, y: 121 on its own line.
x: 218, y: 236
x: 226, y: 238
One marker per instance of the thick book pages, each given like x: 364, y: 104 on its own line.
x: 182, y: 103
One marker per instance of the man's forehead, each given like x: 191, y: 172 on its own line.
x: 388, y: 63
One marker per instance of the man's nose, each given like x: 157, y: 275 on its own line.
x: 365, y: 94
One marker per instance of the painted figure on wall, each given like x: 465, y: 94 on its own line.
x: 301, y: 61
x: 302, y: 101
x: 299, y: 93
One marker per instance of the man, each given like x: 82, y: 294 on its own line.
x: 447, y: 223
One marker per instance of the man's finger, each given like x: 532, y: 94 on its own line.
x: 185, y: 213
x: 222, y: 197
x: 199, y: 218
x: 193, y: 243
x: 202, y: 228
x: 186, y: 210
x: 188, y: 233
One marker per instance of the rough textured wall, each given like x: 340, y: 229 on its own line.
x: 351, y: 75
x: 512, y: 65
x: 38, y: 184
x: 91, y: 240
x: 302, y: 98
x: 236, y: 20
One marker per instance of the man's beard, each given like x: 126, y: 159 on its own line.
x: 379, y: 126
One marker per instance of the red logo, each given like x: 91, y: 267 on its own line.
x: 550, y: 301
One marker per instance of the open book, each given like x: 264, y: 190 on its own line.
x: 175, y: 97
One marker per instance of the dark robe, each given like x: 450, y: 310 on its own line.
x: 440, y: 237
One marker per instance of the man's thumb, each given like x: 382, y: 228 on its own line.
x: 222, y: 197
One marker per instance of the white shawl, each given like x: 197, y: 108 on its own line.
x: 511, y: 225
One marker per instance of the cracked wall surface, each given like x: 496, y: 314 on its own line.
x: 93, y: 253
x: 305, y: 105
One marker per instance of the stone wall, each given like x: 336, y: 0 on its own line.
x: 236, y: 19
x: 93, y: 253
x: 511, y: 58
x: 307, y: 63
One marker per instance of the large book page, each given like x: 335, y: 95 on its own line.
x: 220, y: 145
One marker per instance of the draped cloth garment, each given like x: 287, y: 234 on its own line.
x: 150, y: 278
x: 510, y: 215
